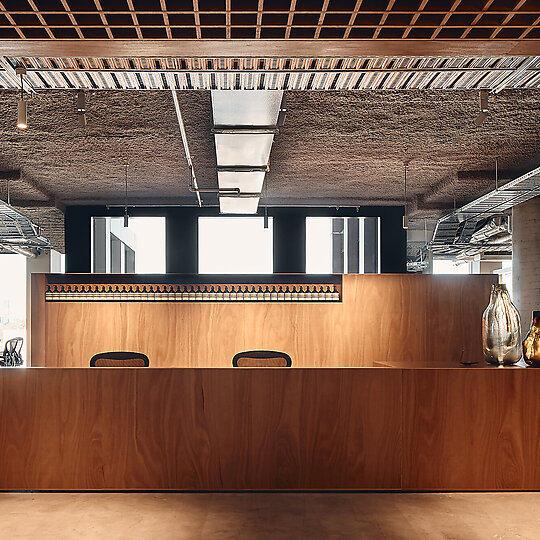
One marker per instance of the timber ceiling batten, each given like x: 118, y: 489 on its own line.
x: 395, y: 72
x: 269, y: 19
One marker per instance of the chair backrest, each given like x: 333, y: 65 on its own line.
x: 262, y: 359
x: 119, y: 359
x: 12, y: 352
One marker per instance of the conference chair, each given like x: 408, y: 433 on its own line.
x: 119, y: 359
x: 261, y: 359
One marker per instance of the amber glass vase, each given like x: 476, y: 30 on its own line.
x: 501, y: 329
x: 531, y: 344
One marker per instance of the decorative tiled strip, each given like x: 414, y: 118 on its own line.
x: 192, y: 293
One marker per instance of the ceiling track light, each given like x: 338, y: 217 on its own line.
x: 22, y: 116
x: 484, y: 111
x: 81, y: 108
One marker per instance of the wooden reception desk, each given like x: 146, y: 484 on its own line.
x: 269, y: 429
x: 361, y: 320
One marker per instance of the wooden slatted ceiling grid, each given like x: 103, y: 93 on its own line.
x: 270, y: 19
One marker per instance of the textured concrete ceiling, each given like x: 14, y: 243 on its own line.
x: 347, y: 147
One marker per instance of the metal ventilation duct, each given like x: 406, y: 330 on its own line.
x: 18, y: 234
x: 459, y: 231
x: 245, y: 122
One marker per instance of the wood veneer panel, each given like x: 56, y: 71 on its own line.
x: 200, y: 429
x: 37, y: 320
x: 397, y: 320
x: 471, y: 429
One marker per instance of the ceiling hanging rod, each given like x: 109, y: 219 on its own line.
x: 193, y: 184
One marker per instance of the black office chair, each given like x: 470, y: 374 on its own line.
x: 11, y: 356
x: 262, y: 359
x: 119, y: 359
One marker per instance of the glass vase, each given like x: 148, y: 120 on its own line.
x: 531, y: 344
x: 501, y: 329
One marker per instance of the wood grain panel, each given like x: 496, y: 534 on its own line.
x: 396, y: 320
x: 471, y: 429
x: 200, y: 429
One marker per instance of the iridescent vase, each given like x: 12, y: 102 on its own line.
x: 531, y: 344
x: 501, y: 333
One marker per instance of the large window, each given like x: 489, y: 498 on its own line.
x: 235, y: 245
x: 13, y: 299
x: 342, y: 245
x: 138, y: 248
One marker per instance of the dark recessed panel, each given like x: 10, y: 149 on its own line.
x: 439, y: 5
x: 124, y: 33
x: 342, y: 5
x: 451, y: 32
x: 491, y: 20
x: 406, y: 5
x: 82, y: 5
x: 212, y: 19
x: 153, y: 33
x: 367, y: 19
x: 8, y: 33
x: 213, y: 33
x: 391, y: 33
x: 181, y: 19
x: 480, y: 33
x: 460, y: 20
x: 429, y: 19
x: 86, y: 19
x: 512, y: 32
x: 65, y: 33
x: 420, y: 33
x: 272, y: 33
x: 274, y: 19
x: 398, y: 19
x: 117, y: 19
x: 57, y: 19
x: 239, y: 32
x: 17, y: 5
x: 332, y: 33
x: 147, y: 5
x: 150, y: 19
x: 361, y: 33
x: 94, y: 33
x: 114, y: 5
x: 302, y: 32
x: 336, y: 19
x: 35, y: 33
x: 211, y: 5
x: 26, y: 19
x: 244, y: 5
x: 49, y: 5
x: 183, y: 33
x: 309, y: 5
x: 305, y: 19
x: 277, y: 5
x: 243, y: 19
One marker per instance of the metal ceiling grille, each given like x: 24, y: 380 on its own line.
x: 493, y: 73
x: 269, y: 19
x: 18, y: 234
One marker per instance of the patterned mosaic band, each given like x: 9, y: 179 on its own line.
x: 70, y: 292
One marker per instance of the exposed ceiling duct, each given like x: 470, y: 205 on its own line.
x: 18, y: 234
x: 482, y: 225
x: 245, y: 122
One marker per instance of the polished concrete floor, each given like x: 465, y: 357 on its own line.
x: 460, y: 516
